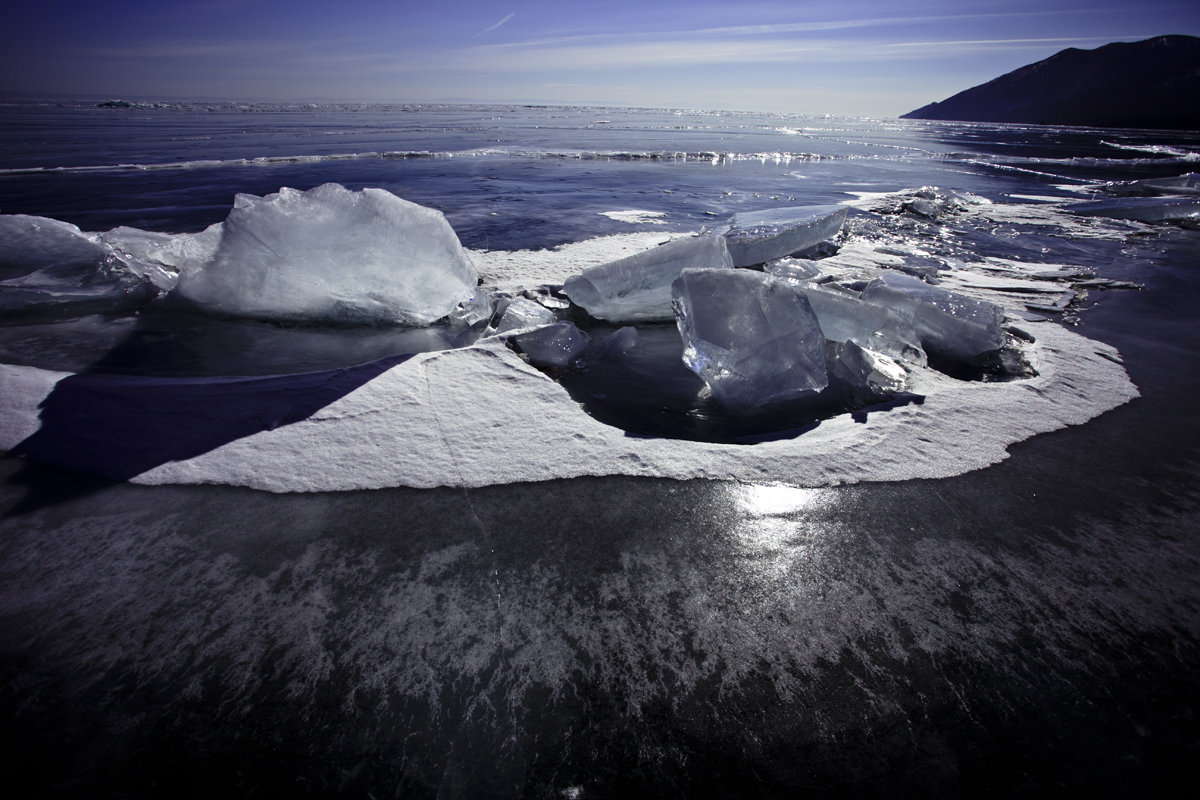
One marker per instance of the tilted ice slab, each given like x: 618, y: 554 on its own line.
x: 480, y: 416
x: 331, y: 254
x: 751, y: 337
x: 755, y: 237
x: 948, y: 323
x: 846, y: 318
x: 637, y: 288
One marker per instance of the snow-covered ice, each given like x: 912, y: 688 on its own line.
x: 755, y: 237
x: 752, y: 337
x: 332, y: 254
x: 637, y: 288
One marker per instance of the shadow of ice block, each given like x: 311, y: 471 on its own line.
x: 752, y: 338
x: 948, y: 323
x: 638, y: 288
x: 755, y: 237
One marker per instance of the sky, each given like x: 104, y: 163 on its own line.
x: 857, y: 57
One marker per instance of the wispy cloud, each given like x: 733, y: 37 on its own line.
x: 491, y: 28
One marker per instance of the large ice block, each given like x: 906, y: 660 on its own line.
x: 638, y: 288
x: 948, y: 323
x: 332, y: 254
x: 755, y: 237
x: 846, y: 318
x: 753, y: 338
x: 29, y: 243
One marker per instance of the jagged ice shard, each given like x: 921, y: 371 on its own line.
x: 756, y: 237
x: 638, y: 288
x: 752, y: 338
x: 949, y: 323
x: 331, y: 254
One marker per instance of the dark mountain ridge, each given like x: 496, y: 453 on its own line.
x: 1154, y: 83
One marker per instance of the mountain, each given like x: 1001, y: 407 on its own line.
x: 1154, y: 83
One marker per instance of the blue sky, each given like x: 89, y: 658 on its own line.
x: 865, y: 57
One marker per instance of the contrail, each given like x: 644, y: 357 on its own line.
x: 493, y: 27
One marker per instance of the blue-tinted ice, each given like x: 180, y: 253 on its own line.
x: 753, y: 338
x: 755, y: 237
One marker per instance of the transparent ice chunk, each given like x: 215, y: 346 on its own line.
x: 751, y: 337
x: 948, y: 323
x: 29, y: 243
x: 332, y: 254
x: 869, y: 375
x: 845, y: 317
x: 756, y: 237
x: 798, y: 269
x: 555, y: 345
x: 524, y: 313
x: 638, y: 288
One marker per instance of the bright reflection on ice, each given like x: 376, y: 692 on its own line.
x: 773, y: 499
x: 774, y: 533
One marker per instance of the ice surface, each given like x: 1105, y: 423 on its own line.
x: 1188, y: 183
x: 638, y: 288
x: 751, y: 337
x: 524, y: 313
x: 948, y: 323
x: 28, y: 244
x: 756, y: 237
x: 845, y: 317
x: 1142, y: 209
x: 332, y: 254
x: 555, y: 345
x: 799, y: 269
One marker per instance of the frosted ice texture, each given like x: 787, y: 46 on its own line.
x: 638, y: 288
x: 756, y: 237
x: 524, y: 313
x: 556, y: 345
x: 752, y: 338
x: 332, y: 254
x: 948, y: 323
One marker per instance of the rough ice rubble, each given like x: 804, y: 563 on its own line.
x: 332, y: 254
x: 637, y: 288
x: 753, y: 338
